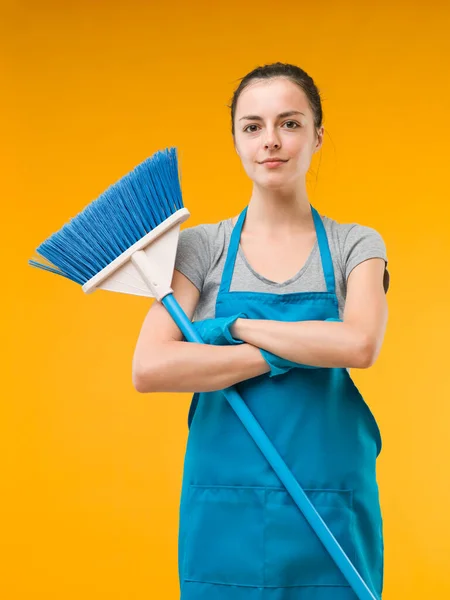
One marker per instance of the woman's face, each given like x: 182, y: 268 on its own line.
x: 290, y: 137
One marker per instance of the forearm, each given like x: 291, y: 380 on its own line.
x: 190, y: 367
x: 315, y: 343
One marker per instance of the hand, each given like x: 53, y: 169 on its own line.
x: 218, y: 331
x: 279, y: 365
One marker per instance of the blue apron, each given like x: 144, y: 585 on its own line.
x: 241, y: 537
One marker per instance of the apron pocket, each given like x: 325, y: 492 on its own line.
x: 225, y: 537
x: 294, y: 555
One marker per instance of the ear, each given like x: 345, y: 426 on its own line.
x: 319, y: 141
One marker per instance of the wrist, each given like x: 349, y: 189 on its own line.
x: 237, y: 328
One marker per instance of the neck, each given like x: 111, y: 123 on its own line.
x: 279, y: 213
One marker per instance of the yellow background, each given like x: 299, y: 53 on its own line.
x: 90, y: 469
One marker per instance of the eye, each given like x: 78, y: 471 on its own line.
x: 294, y: 122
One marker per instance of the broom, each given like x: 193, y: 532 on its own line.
x: 126, y: 241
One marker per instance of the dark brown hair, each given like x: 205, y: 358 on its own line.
x: 292, y: 72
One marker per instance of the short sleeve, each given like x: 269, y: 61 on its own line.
x: 193, y: 255
x: 360, y: 244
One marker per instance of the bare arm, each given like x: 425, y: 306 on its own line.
x: 163, y: 362
x: 356, y: 342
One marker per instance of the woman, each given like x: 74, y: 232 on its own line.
x: 290, y: 301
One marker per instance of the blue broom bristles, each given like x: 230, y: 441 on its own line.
x: 117, y: 219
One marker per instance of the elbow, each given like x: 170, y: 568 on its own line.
x: 366, y: 354
x: 144, y: 382
x: 144, y: 376
x: 153, y: 370
x: 139, y: 382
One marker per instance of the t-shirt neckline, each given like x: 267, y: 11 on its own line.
x: 274, y: 284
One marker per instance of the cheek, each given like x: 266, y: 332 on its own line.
x: 303, y: 152
x: 249, y: 154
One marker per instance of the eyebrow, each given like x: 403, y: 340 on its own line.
x: 287, y: 113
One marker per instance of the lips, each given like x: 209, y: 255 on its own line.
x: 273, y: 164
x: 272, y: 160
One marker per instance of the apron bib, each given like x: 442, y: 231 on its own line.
x: 241, y: 536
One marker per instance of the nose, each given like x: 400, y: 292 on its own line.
x: 271, y: 140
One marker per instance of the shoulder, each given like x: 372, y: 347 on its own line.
x: 206, y: 236
x: 344, y: 232
x: 355, y: 243
x: 198, y: 249
x: 349, y: 235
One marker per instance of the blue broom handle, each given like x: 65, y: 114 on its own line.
x: 279, y: 466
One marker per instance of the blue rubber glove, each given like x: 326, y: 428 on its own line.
x: 279, y: 365
x: 218, y: 331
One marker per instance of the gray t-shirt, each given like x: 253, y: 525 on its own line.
x: 202, y: 251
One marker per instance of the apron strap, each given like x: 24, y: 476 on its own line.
x: 325, y: 254
x: 231, y: 254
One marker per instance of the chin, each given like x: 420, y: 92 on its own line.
x: 272, y: 184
